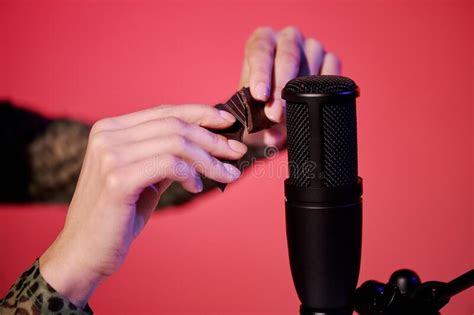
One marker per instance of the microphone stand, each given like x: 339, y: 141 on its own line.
x: 431, y: 296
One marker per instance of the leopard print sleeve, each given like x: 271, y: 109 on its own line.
x: 32, y: 295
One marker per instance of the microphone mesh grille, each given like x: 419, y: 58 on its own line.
x: 326, y: 84
x: 298, y: 140
x: 339, y: 144
x: 322, y: 133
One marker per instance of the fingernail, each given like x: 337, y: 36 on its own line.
x: 262, y: 91
x: 274, y: 110
x: 237, y: 146
x: 232, y: 170
x: 227, y: 116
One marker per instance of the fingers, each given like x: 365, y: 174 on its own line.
x: 173, y: 138
x: 331, y: 65
x: 180, y: 147
x: 215, y: 144
x: 201, y: 115
x: 314, y: 52
x: 287, y: 64
x: 129, y: 181
x: 260, y: 51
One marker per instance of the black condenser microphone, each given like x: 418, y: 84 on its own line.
x: 323, y: 192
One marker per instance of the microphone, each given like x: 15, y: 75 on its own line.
x: 323, y: 192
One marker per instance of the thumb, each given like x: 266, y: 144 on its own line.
x: 147, y: 203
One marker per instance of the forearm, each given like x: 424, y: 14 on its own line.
x: 46, y: 155
x: 42, y: 157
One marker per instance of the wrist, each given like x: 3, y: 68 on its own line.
x: 62, y: 267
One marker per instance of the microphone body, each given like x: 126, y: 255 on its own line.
x: 323, y: 192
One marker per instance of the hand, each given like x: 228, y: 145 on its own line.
x: 271, y: 60
x: 130, y: 161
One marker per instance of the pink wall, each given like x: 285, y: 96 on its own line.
x: 225, y: 253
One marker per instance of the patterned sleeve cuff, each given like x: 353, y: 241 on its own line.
x: 32, y: 295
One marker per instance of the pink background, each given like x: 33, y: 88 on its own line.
x: 226, y: 253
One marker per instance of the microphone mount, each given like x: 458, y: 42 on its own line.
x: 400, y: 297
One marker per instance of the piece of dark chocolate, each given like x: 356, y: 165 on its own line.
x: 250, y: 116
